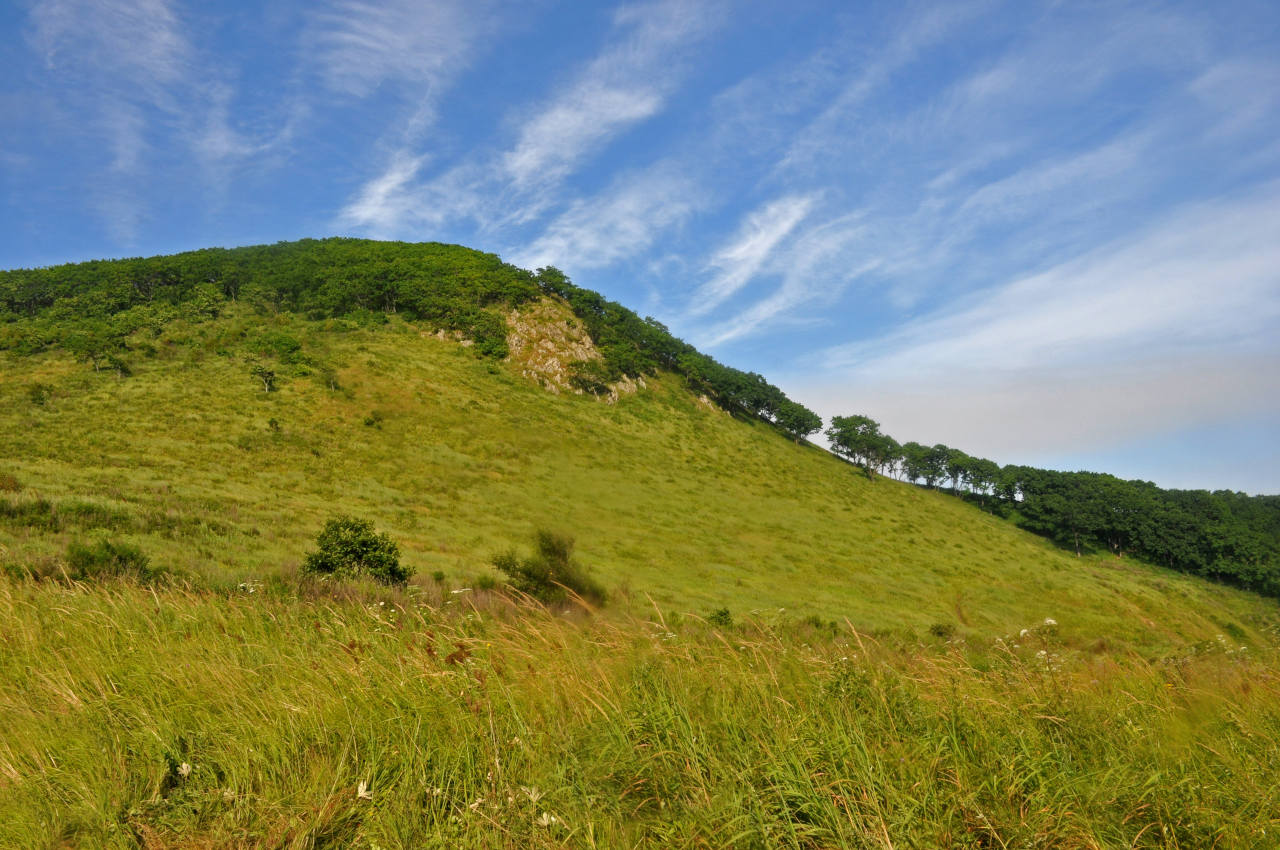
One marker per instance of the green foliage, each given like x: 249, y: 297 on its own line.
x: 944, y: 631
x: 109, y: 559
x: 1229, y: 537
x: 265, y: 376
x: 39, y: 394
x: 634, y: 346
x: 349, y: 547
x: 720, y: 618
x: 551, y: 574
x: 29, y: 513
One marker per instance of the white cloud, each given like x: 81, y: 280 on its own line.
x: 817, y: 265
x: 383, y: 202
x: 139, y: 41
x: 740, y: 260
x: 553, y: 141
x: 359, y: 45
x: 627, y: 82
x: 617, y: 224
x: 1175, y: 327
x: 1208, y: 275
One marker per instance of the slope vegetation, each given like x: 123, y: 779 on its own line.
x: 792, y: 654
x: 459, y: 457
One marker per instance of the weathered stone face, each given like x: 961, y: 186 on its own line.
x: 545, y: 339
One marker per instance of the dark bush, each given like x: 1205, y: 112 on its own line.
x: 945, y: 631
x: 109, y: 559
x: 720, y: 618
x: 551, y: 574
x: 349, y: 547
x: 32, y: 513
x: 39, y: 394
x: 9, y: 483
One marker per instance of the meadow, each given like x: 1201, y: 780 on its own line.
x: 792, y: 654
x: 174, y: 718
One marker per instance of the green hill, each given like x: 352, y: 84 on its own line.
x: 213, y: 410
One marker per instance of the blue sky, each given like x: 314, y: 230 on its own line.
x: 1044, y: 233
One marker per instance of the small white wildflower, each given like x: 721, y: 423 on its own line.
x: 1049, y: 621
x: 477, y: 804
x: 460, y: 590
x: 363, y: 792
x: 546, y: 820
x: 1041, y: 654
x: 532, y: 793
x: 184, y: 770
x: 1024, y: 633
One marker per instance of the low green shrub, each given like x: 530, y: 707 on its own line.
x: 350, y: 547
x: 109, y: 559
x: 29, y: 513
x: 945, y: 631
x: 720, y: 618
x: 551, y: 574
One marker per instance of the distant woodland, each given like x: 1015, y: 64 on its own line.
x: 1223, y: 535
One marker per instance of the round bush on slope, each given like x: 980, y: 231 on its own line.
x: 350, y: 547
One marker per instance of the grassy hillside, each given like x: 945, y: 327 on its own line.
x: 793, y: 655
x: 459, y: 458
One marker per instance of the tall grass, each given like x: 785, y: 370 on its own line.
x: 176, y: 718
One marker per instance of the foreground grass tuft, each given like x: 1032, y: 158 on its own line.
x: 174, y: 718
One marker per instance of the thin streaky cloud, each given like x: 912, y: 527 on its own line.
x: 360, y: 45
x: 140, y: 40
x: 383, y: 202
x: 617, y: 224
x: 1209, y: 275
x: 626, y: 82
x: 740, y: 260
x: 817, y: 265
x: 623, y: 85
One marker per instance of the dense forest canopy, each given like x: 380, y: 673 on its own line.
x: 93, y: 309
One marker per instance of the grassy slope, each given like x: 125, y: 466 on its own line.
x: 636, y: 728
x: 667, y: 498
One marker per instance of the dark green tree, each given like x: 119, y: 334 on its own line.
x: 350, y: 547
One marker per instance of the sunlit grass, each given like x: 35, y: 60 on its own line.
x: 885, y: 667
x: 668, y: 499
x: 499, y: 726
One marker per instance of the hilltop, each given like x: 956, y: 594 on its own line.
x: 793, y: 652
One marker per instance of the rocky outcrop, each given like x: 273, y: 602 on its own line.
x: 545, y: 339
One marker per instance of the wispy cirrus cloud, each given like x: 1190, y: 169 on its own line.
x: 737, y: 262
x: 626, y: 82
x: 1179, y: 322
x: 133, y: 80
x: 982, y: 175
x: 125, y: 55
x: 618, y: 223
x: 816, y: 266
x: 360, y: 45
